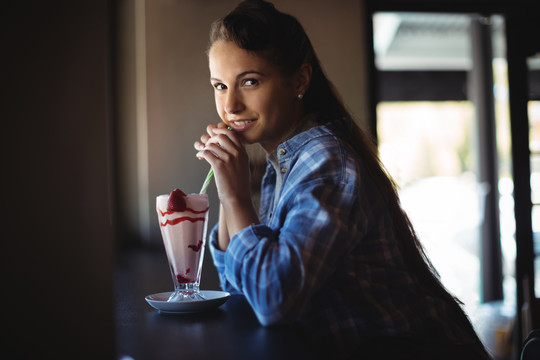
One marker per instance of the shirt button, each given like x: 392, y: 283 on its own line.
x: 282, y: 151
x: 283, y: 170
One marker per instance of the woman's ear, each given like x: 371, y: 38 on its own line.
x: 303, y: 79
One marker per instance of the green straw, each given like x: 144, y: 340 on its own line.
x: 207, y: 181
x: 209, y: 176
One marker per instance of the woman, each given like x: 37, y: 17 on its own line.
x: 331, y: 250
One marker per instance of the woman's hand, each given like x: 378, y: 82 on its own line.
x: 227, y: 156
x: 224, y: 151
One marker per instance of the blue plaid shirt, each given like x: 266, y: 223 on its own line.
x: 325, y: 255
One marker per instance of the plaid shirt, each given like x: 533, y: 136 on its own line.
x: 325, y: 255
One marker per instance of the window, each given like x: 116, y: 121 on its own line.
x: 431, y: 127
x: 533, y: 108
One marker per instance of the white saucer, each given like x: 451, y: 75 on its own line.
x: 212, y: 300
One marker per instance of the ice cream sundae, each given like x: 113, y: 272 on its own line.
x: 183, y: 222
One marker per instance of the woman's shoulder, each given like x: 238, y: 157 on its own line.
x: 318, y: 138
x: 319, y: 150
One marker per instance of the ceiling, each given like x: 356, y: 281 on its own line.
x: 430, y: 41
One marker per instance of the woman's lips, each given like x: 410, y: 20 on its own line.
x: 241, y: 125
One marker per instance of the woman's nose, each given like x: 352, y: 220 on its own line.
x: 233, y: 103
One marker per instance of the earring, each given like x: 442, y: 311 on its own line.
x: 300, y: 96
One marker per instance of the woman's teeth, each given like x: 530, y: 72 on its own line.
x: 242, y: 123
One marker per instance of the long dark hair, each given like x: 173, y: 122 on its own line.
x: 257, y: 26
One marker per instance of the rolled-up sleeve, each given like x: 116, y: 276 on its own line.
x: 219, y: 261
x: 278, y: 269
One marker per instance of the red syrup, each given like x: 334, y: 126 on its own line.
x: 184, y: 280
x: 169, y: 212
x: 180, y: 219
x: 197, y: 247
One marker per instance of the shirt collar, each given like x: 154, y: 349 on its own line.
x: 308, y: 128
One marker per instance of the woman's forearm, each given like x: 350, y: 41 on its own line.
x: 223, y: 232
x: 232, y: 219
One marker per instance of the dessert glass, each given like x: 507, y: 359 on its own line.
x: 184, y: 239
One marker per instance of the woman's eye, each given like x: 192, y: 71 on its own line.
x: 250, y: 82
x: 219, y: 86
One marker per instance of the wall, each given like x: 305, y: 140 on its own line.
x: 57, y: 237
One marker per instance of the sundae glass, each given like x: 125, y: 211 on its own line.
x: 183, y: 220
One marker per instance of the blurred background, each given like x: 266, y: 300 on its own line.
x: 101, y: 103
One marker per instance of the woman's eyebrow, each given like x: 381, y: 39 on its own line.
x: 242, y: 74
x: 249, y: 72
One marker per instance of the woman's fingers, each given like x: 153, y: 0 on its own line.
x: 222, y: 125
x: 222, y: 133
x: 219, y: 142
x: 199, y: 145
x: 210, y: 129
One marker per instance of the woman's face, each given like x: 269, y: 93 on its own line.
x: 252, y: 96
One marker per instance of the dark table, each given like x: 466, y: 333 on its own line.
x: 230, y: 331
